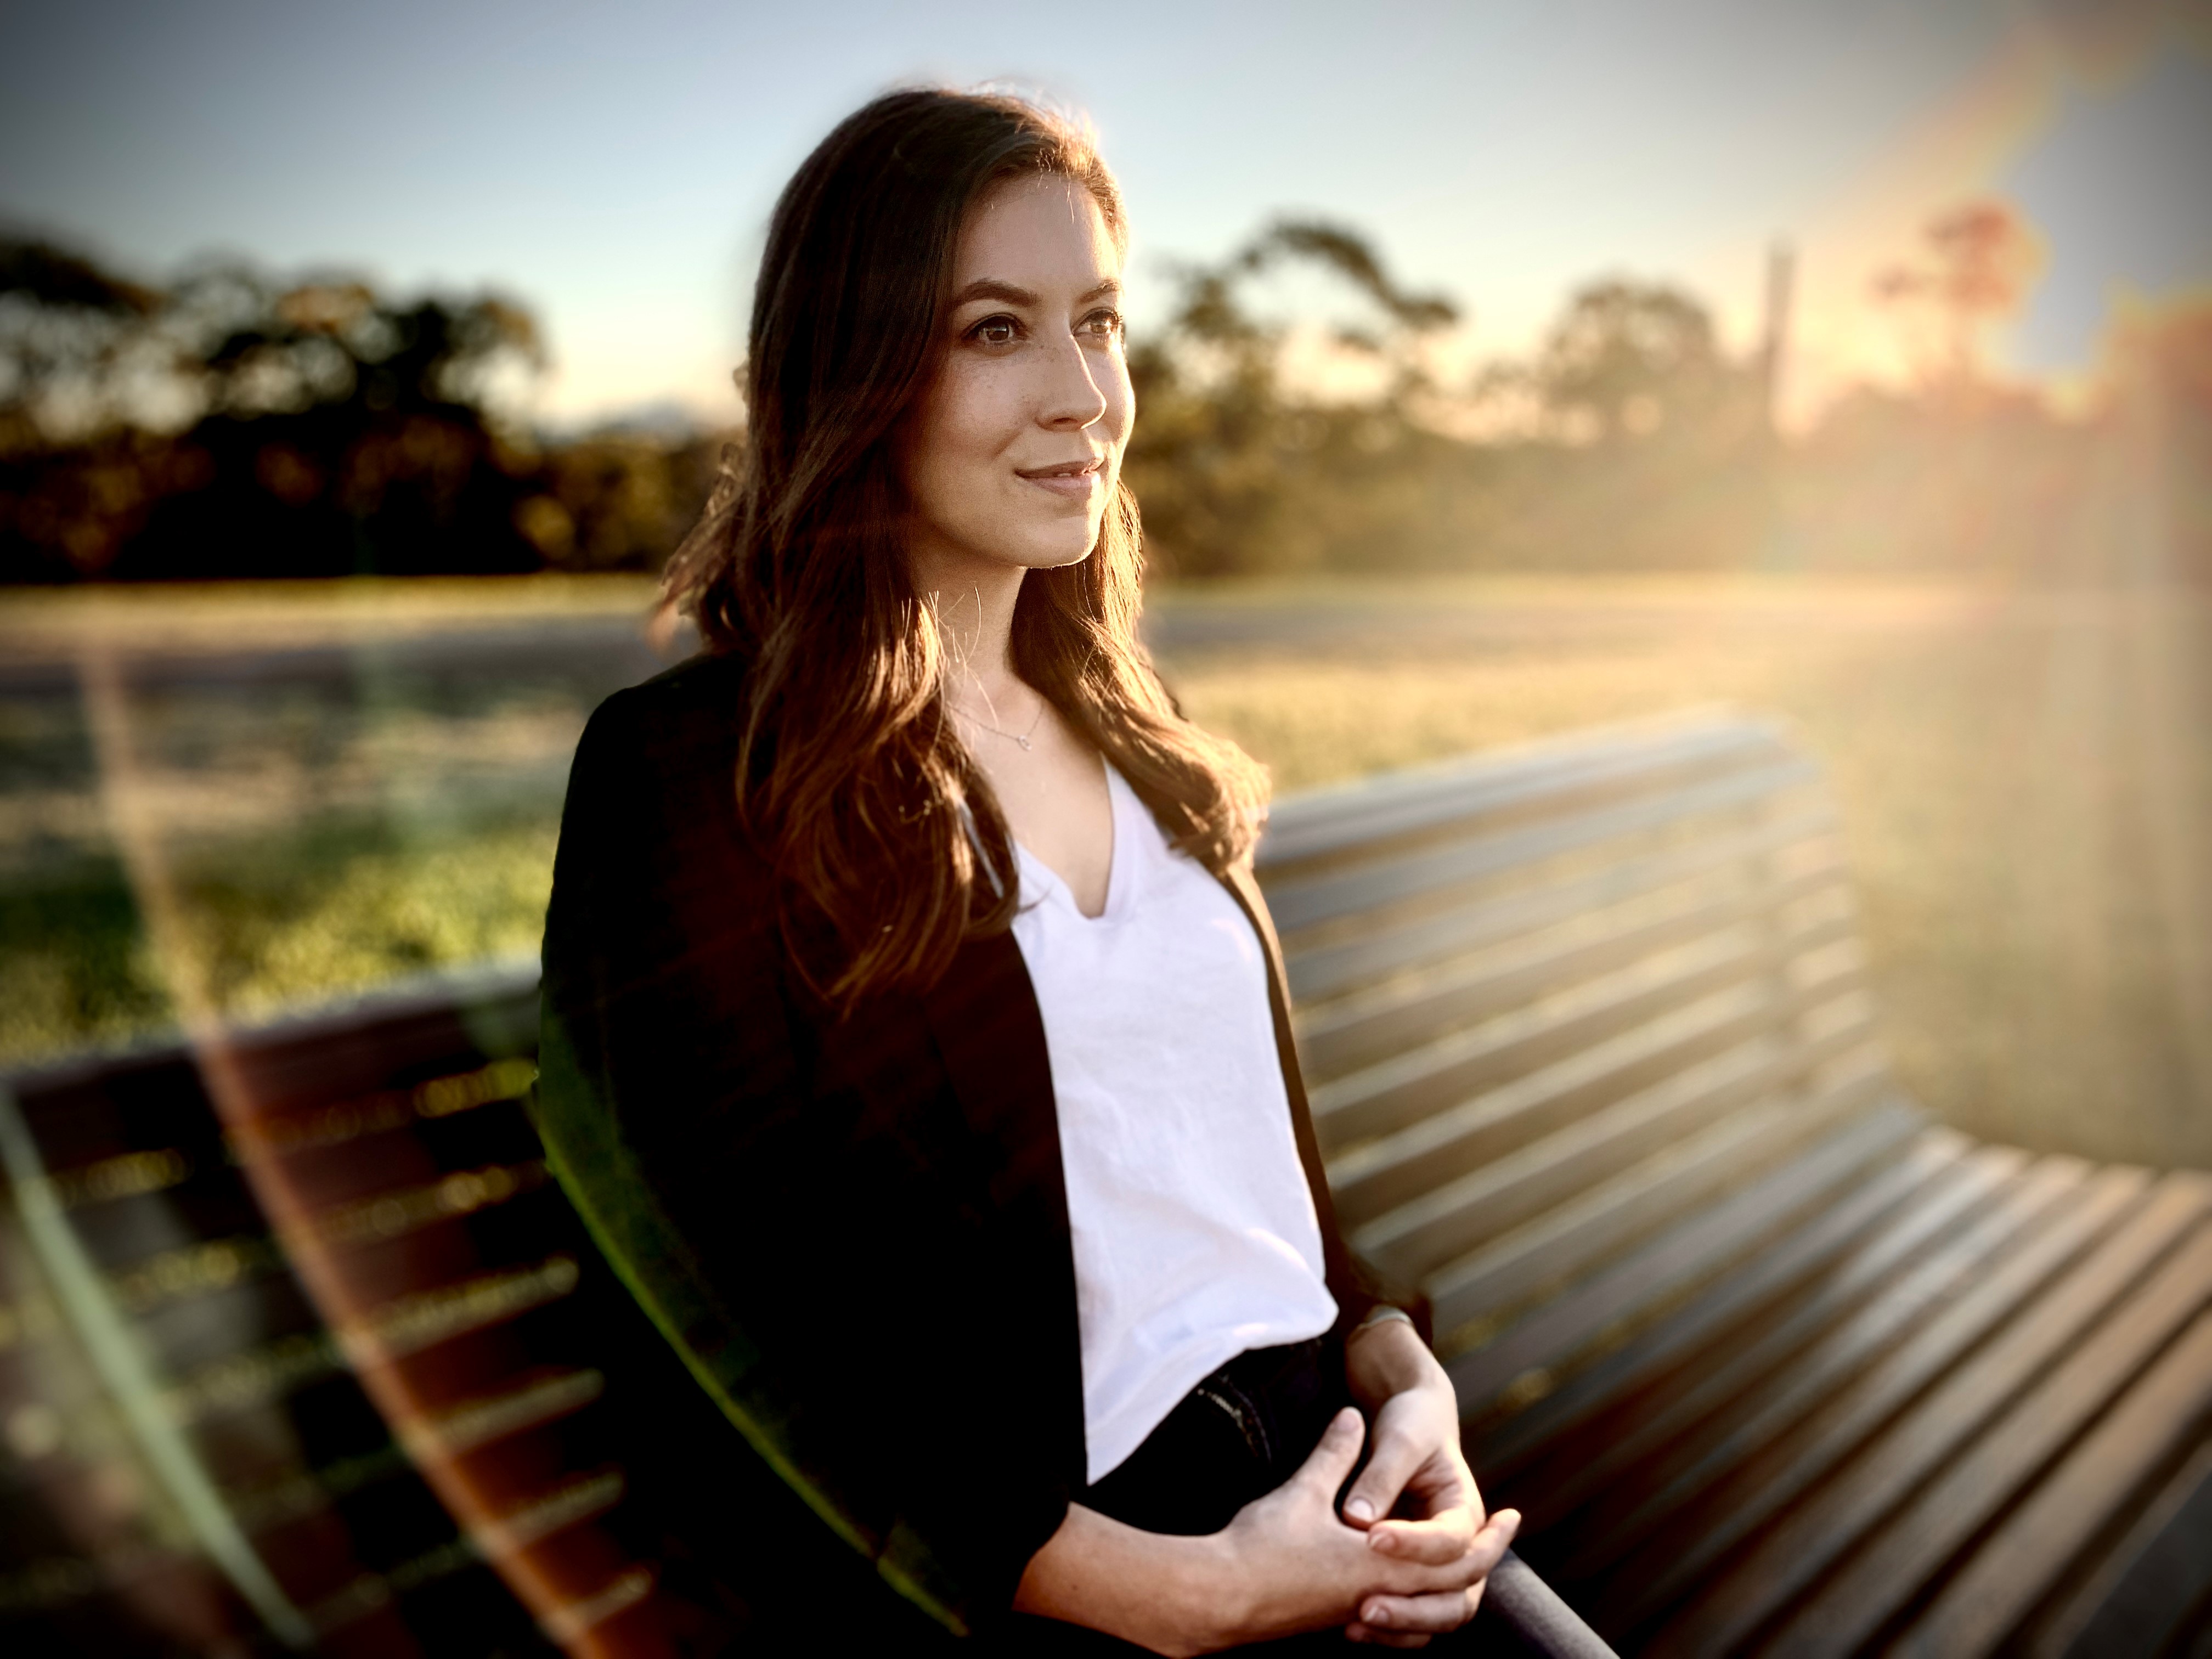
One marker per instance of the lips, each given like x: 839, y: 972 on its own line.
x: 1070, y: 478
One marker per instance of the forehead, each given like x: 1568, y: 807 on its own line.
x: 1037, y: 231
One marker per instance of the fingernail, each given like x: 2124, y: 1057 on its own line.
x: 1380, y: 1540
x: 1379, y: 1616
x: 1360, y: 1510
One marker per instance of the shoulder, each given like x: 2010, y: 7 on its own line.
x: 657, y: 760
x: 678, y: 728
x: 697, y: 702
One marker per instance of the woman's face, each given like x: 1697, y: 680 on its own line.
x: 1014, y: 451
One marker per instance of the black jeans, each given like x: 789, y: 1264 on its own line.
x: 1237, y: 1436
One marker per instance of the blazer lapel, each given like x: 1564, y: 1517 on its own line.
x: 983, y: 1014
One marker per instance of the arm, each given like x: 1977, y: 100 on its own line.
x: 1286, y: 1563
x: 822, y: 1195
x: 1417, y: 1499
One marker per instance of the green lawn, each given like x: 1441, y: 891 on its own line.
x: 2024, y: 782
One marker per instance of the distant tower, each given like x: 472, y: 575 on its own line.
x: 1774, y: 347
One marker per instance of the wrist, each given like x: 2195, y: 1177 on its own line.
x: 1386, y: 1359
x: 1213, y: 1591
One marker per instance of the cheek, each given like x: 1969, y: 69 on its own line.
x: 1123, y: 395
x: 970, y: 419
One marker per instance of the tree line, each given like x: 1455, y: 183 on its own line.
x: 230, y: 424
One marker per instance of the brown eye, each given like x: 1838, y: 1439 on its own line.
x: 1103, y: 325
x: 996, y: 331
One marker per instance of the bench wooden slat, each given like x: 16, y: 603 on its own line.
x: 1755, y: 1429
x: 1358, y: 816
x: 1913, y: 1544
x: 1752, y: 1248
x: 1317, y: 971
x: 2150, y: 1587
x: 1430, y: 1096
x: 1853, y: 1430
x: 1787, y: 1558
x: 1843, y: 1282
x: 2038, y: 1541
x: 1304, y: 902
x: 1418, y: 1237
x: 1593, y: 1114
x: 1397, y: 1017
x: 1568, y: 1240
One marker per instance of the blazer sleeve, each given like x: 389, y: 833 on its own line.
x: 793, y: 1200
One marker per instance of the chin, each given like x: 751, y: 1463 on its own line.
x: 1061, y: 560
x: 1051, y: 552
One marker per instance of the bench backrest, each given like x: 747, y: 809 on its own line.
x: 1551, y: 1000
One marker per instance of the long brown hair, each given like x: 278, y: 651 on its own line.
x: 870, y: 808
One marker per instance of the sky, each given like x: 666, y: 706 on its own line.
x: 613, y: 167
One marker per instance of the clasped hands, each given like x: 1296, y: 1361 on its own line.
x: 1408, y: 1552
x: 1404, y: 1560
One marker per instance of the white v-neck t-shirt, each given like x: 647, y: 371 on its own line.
x: 1194, y: 1229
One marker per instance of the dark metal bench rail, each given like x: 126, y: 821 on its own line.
x: 297, y: 1341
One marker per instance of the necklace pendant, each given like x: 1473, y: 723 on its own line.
x: 1024, y: 742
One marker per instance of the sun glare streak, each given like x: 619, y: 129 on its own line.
x: 1959, y: 151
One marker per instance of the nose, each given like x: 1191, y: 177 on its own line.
x: 1072, y: 398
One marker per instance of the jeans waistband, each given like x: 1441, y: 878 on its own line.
x: 1236, y: 1435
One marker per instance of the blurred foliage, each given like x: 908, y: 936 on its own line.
x: 1588, y: 454
x: 618, y: 500
x: 1630, y: 439
x: 232, y: 426
x: 1974, y: 269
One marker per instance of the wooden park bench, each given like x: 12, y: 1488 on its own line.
x: 1771, y: 1361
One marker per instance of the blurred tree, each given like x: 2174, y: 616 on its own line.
x: 620, y: 501
x: 1980, y: 258
x: 229, y: 426
x: 1628, y: 359
x: 62, y: 320
x: 1956, y: 471
x: 1235, y: 472
x: 1641, y: 443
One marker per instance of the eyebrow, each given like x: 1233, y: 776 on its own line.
x: 990, y: 288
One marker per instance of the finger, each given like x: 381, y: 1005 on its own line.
x: 1332, y: 1458
x: 1395, y: 1457
x: 1417, y: 1615
x: 1437, y: 1542
x: 1495, y: 1539
x: 1384, y: 1638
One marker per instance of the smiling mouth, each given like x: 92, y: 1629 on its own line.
x: 1075, y: 481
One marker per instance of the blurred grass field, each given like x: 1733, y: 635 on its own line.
x: 2026, y: 781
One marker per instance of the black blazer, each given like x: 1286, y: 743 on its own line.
x: 875, y: 1203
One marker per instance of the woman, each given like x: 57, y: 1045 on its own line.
x: 903, y: 953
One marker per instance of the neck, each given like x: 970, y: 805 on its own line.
x: 973, y: 602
